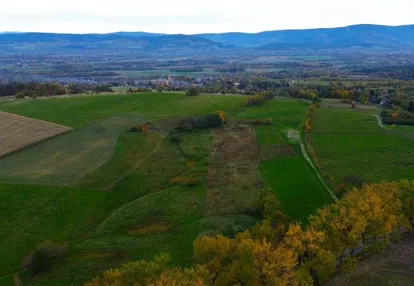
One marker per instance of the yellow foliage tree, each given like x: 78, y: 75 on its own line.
x: 222, y: 115
x: 308, y: 126
x: 266, y: 256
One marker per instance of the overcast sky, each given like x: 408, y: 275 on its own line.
x: 189, y: 17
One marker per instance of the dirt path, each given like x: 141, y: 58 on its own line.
x: 307, y: 158
x: 380, y: 124
x: 295, y: 138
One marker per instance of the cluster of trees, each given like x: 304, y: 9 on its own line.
x: 44, y: 257
x: 21, y: 90
x: 139, y: 89
x: 203, y: 122
x: 259, y: 98
x: 274, y: 253
x: 33, y: 90
x: 397, y: 116
x: 193, y: 91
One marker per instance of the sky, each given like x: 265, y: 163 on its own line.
x: 191, y: 17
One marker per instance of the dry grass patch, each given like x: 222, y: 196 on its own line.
x: 234, y: 184
x: 17, y: 132
x: 151, y: 229
x: 191, y: 164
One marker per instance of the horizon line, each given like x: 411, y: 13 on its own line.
x: 214, y: 33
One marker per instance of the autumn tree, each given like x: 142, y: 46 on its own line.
x: 308, y: 126
x: 222, y: 115
x: 273, y: 254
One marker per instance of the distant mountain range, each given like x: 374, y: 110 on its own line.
x: 357, y: 36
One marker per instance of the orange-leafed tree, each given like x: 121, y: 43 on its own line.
x: 222, y: 115
x: 144, y: 128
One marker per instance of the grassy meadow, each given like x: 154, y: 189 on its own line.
x: 114, y: 195
x: 78, y: 111
x: 349, y: 143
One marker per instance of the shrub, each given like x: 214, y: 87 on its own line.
x: 135, y: 129
x: 203, y: 122
x: 268, y: 121
x: 140, y: 128
x: 222, y: 115
x: 207, y: 121
x: 44, y: 257
x: 20, y: 95
x: 257, y: 99
x: 192, y: 91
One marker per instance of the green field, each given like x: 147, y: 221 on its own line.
x: 126, y: 197
x: 349, y: 143
x: 79, y: 111
x: 282, y: 165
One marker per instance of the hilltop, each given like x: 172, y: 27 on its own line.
x: 360, y: 36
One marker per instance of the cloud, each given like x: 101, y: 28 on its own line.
x: 184, y: 16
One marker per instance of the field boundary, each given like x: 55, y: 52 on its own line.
x: 308, y: 159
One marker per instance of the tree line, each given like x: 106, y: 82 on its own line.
x: 32, y: 90
x: 277, y: 253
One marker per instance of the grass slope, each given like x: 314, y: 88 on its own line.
x: 145, y: 209
x: 33, y: 214
x: 145, y: 213
x: 80, y: 110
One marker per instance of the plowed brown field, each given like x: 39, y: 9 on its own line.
x: 17, y: 132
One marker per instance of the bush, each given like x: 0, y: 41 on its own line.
x: 135, y: 129
x: 201, y: 122
x: 257, y: 99
x: 44, y: 257
x: 207, y: 121
x: 20, y: 95
x: 192, y: 91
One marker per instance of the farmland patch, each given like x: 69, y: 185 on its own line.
x: 66, y: 159
x: 17, y: 132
